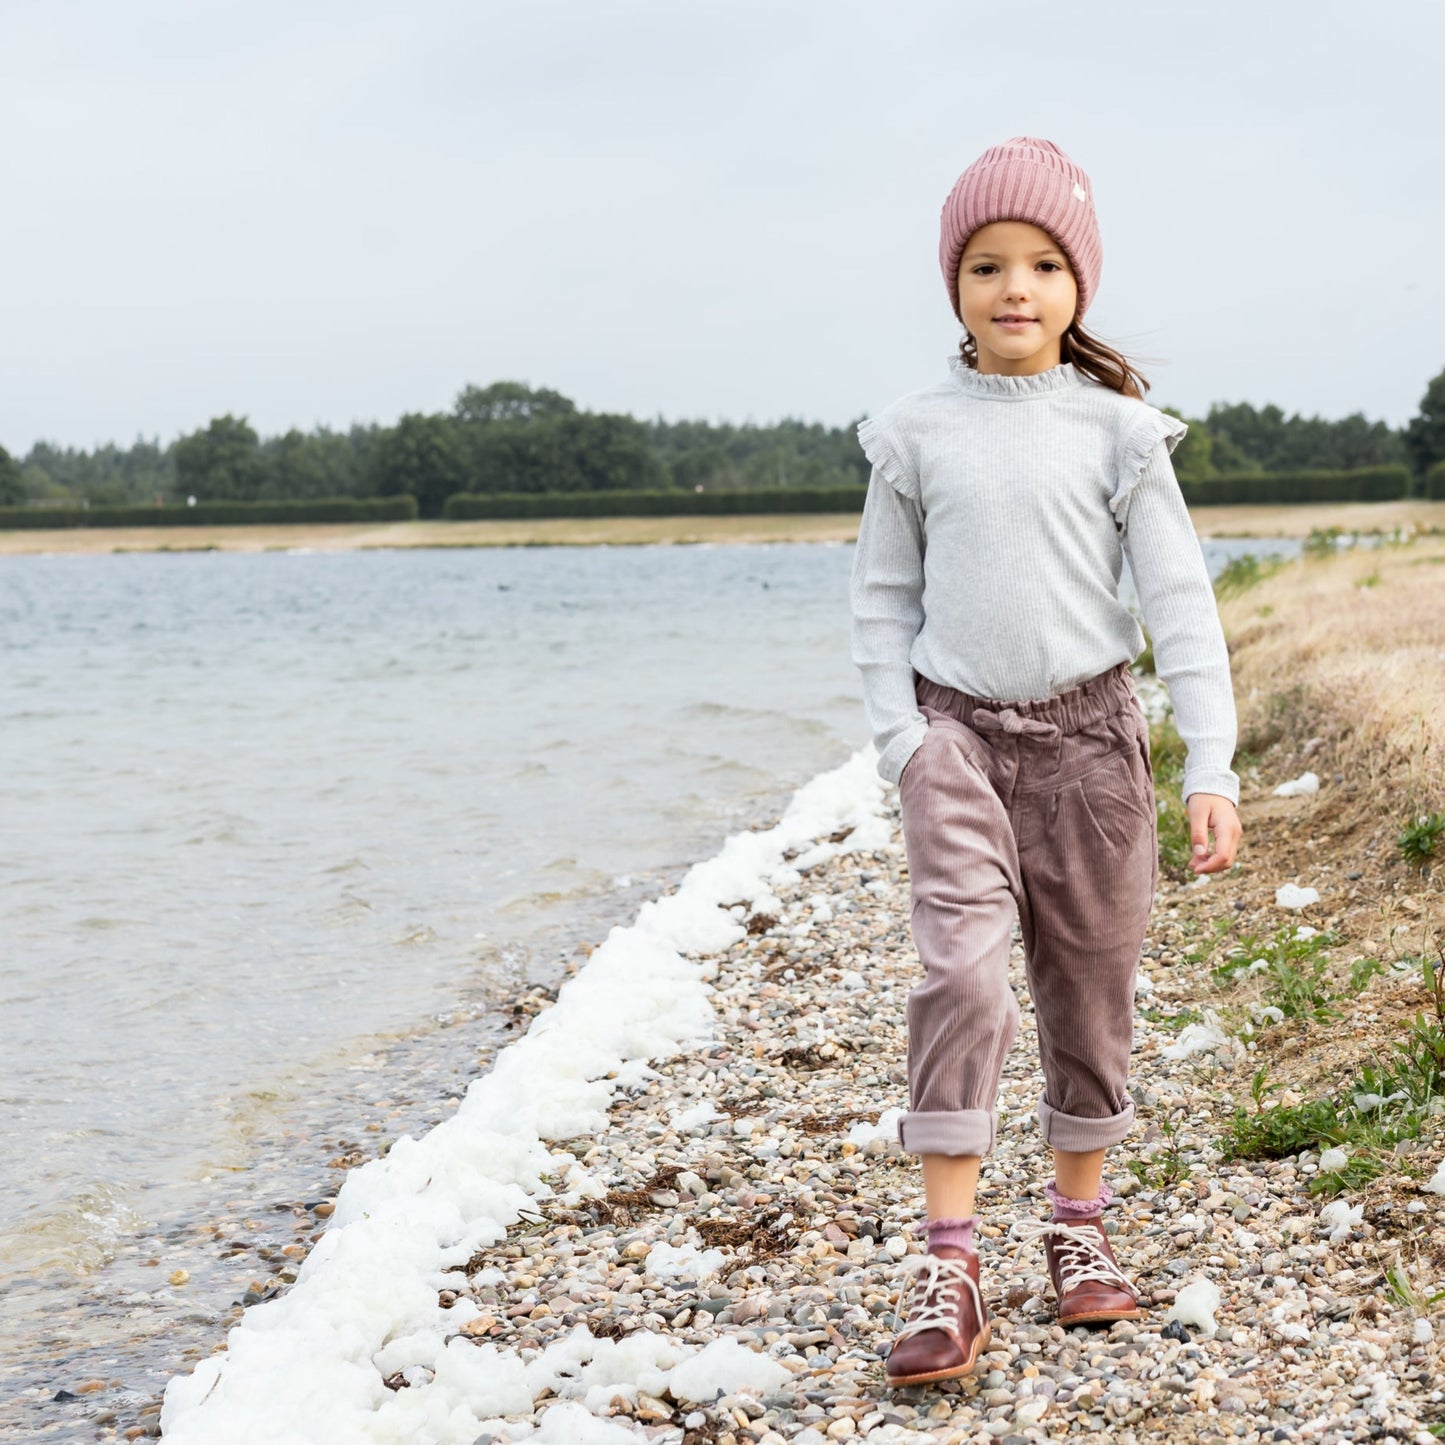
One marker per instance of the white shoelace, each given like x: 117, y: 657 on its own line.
x: 1079, y: 1253
x: 935, y: 1304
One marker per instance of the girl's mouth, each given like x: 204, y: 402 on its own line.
x: 1013, y: 323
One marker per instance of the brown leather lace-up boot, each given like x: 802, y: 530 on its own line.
x: 1090, y: 1286
x: 947, y: 1325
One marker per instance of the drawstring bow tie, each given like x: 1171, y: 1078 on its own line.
x: 1008, y: 721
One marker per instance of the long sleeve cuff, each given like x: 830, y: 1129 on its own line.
x: 894, y: 758
x: 1224, y: 782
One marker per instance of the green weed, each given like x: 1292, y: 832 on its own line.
x: 1260, y: 1089
x: 1402, y: 1291
x: 1241, y: 573
x: 1144, y: 663
x: 1302, y: 990
x: 1362, y: 970
x: 1175, y: 1020
x: 1166, y: 754
x: 1167, y: 1167
x: 1284, y: 1130
x: 1321, y: 542
x: 1417, y: 841
x: 1296, y: 972
x: 1383, y: 1107
x: 1358, y: 1171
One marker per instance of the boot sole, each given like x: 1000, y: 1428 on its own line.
x: 954, y: 1373
x: 1099, y: 1317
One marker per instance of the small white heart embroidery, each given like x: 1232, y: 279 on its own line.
x: 1080, y: 193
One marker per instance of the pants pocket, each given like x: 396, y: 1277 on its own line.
x: 1116, y: 801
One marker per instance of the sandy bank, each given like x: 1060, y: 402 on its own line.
x: 535, y: 532
x: 1297, y: 521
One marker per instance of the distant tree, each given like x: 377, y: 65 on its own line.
x: 1249, y: 438
x: 12, y: 485
x: 1192, y: 456
x: 421, y: 455
x: 223, y: 463
x: 1425, y: 434
x: 570, y: 452
x: 509, y: 401
x: 317, y: 464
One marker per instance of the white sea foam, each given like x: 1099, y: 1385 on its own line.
x: 1291, y: 895
x: 309, y: 1368
x: 1304, y: 786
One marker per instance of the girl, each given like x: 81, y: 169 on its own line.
x: 995, y: 659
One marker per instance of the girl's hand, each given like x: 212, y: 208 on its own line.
x: 1206, y: 811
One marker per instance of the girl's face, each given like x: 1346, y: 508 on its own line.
x: 1017, y: 296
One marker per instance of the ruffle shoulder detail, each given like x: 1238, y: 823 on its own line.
x: 1150, y: 427
x: 881, y: 438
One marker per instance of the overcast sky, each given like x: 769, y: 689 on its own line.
x: 320, y: 213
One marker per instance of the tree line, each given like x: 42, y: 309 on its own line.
x: 509, y: 437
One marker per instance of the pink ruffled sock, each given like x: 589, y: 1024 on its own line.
x: 1066, y: 1208
x: 950, y: 1233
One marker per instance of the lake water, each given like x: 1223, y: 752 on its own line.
x: 284, y: 835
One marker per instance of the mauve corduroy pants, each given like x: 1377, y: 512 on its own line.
x: 1044, y: 810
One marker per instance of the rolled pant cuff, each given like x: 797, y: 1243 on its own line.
x: 1075, y: 1135
x: 956, y: 1131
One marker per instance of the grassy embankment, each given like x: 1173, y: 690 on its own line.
x: 1270, y: 521
x: 1335, y: 1039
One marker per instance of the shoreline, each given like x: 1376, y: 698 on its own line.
x: 1225, y: 521
x: 782, y: 1222
x: 748, y: 1195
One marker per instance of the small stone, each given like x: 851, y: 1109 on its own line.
x: 1030, y: 1411
x: 179, y: 1277
x: 896, y: 1247
x: 650, y: 1410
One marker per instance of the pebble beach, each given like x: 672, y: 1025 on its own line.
x: 721, y: 1259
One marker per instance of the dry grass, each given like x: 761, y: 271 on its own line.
x: 1300, y: 519
x: 1350, y: 648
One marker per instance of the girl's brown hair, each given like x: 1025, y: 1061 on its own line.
x: 1088, y: 354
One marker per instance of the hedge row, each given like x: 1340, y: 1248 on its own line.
x: 467, y: 506
x: 1365, y: 484
x: 320, y: 509
x: 1435, y: 482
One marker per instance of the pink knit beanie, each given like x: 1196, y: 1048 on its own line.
x: 1024, y: 179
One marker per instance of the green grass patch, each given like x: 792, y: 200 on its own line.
x: 1167, y: 753
x: 1392, y: 1101
x: 1241, y: 573
x: 1419, y: 841
x: 1171, y: 1019
x: 1322, y: 542
x: 1145, y: 661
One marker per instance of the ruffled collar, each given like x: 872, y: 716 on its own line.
x: 1063, y: 377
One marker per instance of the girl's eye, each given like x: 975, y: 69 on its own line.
x: 986, y: 266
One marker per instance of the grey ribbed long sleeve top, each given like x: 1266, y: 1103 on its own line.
x: 998, y: 514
